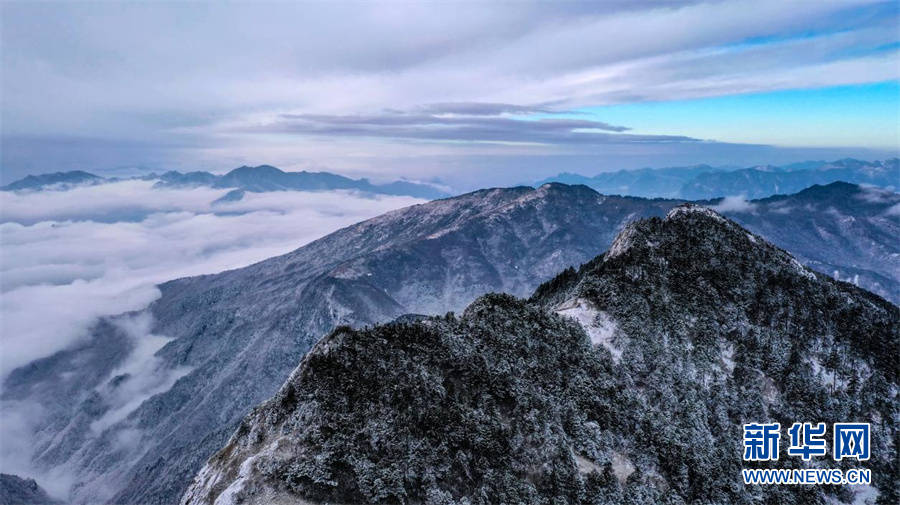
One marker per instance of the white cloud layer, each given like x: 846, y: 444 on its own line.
x: 145, y: 372
x: 736, y: 203
x: 101, y: 250
x: 195, y: 85
x: 399, y: 55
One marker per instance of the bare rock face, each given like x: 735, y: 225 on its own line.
x: 626, y: 381
x: 232, y: 339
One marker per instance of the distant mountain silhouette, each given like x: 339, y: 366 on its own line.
x: 58, y: 180
x: 259, y: 179
x: 703, y: 181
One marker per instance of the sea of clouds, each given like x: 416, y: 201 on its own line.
x: 69, y: 257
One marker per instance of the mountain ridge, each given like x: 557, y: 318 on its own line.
x: 528, y: 401
x: 61, y: 180
x: 240, y: 333
x: 258, y: 179
x: 702, y: 182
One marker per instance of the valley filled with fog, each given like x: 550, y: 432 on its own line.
x: 69, y: 257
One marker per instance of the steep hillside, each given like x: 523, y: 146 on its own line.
x: 15, y: 490
x: 843, y: 230
x: 626, y: 381
x: 237, y: 335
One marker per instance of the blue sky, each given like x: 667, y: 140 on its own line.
x: 864, y: 115
x: 429, y: 91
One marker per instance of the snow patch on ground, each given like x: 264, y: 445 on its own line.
x: 598, y: 325
x: 622, y: 243
x: 586, y: 466
x: 684, y: 210
x: 771, y: 394
x: 852, y: 280
x: 622, y: 467
x: 802, y: 270
x: 827, y: 375
x: 441, y: 233
x: 863, y: 495
x: 728, y: 357
x: 205, y: 480
x: 213, y: 475
x: 230, y: 495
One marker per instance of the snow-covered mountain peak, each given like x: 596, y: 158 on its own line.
x: 693, y: 210
x: 689, y: 333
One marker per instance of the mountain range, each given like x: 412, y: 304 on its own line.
x: 700, y: 182
x: 259, y: 179
x: 697, y: 182
x: 58, y: 180
x: 134, y: 425
x: 626, y: 381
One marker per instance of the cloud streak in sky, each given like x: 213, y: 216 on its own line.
x: 467, y: 122
x: 218, y: 85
